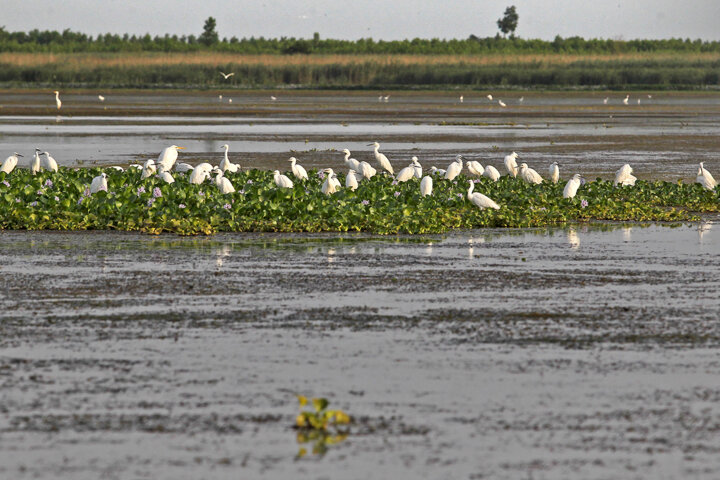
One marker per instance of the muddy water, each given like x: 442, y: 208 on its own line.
x: 663, y: 137
x: 587, y: 352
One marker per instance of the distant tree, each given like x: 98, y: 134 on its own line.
x: 209, y: 35
x: 509, y: 22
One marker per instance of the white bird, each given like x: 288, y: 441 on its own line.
x: 501, y: 103
x: 461, y: 99
x: 273, y: 98
x: 331, y: 183
x: 181, y: 167
x: 220, y: 98
x: 605, y: 100
x: 475, y: 167
x: 35, y: 162
x: 297, y: 170
x: 624, y: 176
x: 454, y: 169
x: 638, y: 101
x: 521, y: 99
x: 380, y: 98
x: 367, y: 170
x: 437, y: 171
x: 10, y: 163
x: 351, y: 163
x: 48, y: 163
x: 168, y: 156
x: 704, y: 178
x: 223, y: 184
x: 229, y: 100
x: 149, y: 169
x: 554, y: 171
x: 406, y: 174
x: 480, y: 200
x: 136, y: 166
x: 426, y: 185
x: 386, y: 98
x: 382, y: 159
x: 99, y: 183
x: 530, y: 175
x: 281, y: 180
x: 489, y: 97
x: 417, y: 167
x: 227, y: 75
x: 627, y: 98
x: 165, y: 176
x: 491, y: 173
x: 351, y: 181
x: 511, y: 164
x: 225, y: 164
x: 117, y: 168
x: 57, y: 99
x: 200, y: 173
x: 101, y: 98
x: 571, y: 187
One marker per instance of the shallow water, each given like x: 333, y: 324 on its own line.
x: 585, y: 352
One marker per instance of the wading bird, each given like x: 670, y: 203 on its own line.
x: 489, y: 97
x: 165, y: 176
x: 480, y: 200
x: 605, y: 100
x: 462, y: 99
x: 406, y: 173
x: 511, y: 164
x: 297, y: 170
x: 571, y: 187
x: 351, y: 163
x: 10, y: 163
x: 627, y: 98
x: 225, y: 164
x: 281, y: 180
x: 521, y: 99
x: 454, y: 169
x: 491, y: 173
x: 222, y: 183
x: 35, y: 162
x: 554, y: 171
x: 331, y: 183
x: 417, y: 167
x: 101, y: 98
x: 57, y: 99
x: 273, y: 98
x: 704, y: 178
x: 99, y: 183
x: 227, y: 75
x: 200, y: 173
x: 501, y: 103
x: 367, y: 170
x: 426, y: 185
x: 382, y: 159
x: 475, y: 167
x: 48, y: 163
x: 530, y: 175
x: 624, y: 176
x: 149, y: 169
x: 437, y: 171
x: 351, y: 181
x: 168, y: 156
x: 181, y: 167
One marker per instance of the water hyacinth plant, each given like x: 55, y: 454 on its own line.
x: 153, y: 206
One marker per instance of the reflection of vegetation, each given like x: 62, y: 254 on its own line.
x: 320, y: 426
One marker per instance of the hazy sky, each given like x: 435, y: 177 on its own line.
x: 380, y: 19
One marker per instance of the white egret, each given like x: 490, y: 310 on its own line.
x: 117, y: 168
x: 521, y: 99
x: 406, y: 174
x: 351, y: 163
x: 149, y: 169
x: 386, y: 98
x: 638, y: 101
x: 200, y: 173
x: 380, y: 98
x: 501, y: 103
x: 273, y: 98
x: 367, y: 170
x: 605, y: 100
x: 227, y: 75
x: 511, y: 164
x: 491, y: 173
x: 571, y: 187
x: 461, y: 99
x: 35, y: 162
x: 704, y: 178
x: 624, y: 176
x: 168, y: 156
x: 475, y: 167
x: 10, y: 163
x: 480, y: 200
x: 417, y: 167
x: 220, y: 98
x: 229, y: 100
x: 331, y: 183
x: 57, y: 99
x: 351, y: 181
x: 225, y: 164
x: 627, y: 98
x: 101, y: 98
x: 530, y: 175
x: 99, y: 183
x: 223, y: 184
x: 181, y: 167
x: 297, y: 170
x: 426, y: 185
x: 489, y: 97
x: 382, y: 159
x: 454, y: 169
x: 554, y: 171
x: 281, y: 180
x: 48, y: 163
x: 165, y: 176
x: 135, y: 166
x: 437, y: 171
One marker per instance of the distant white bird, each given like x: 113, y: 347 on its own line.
x: 501, y: 103
x: 351, y: 181
x: 136, y: 166
x: 480, y: 200
x: 367, y: 170
x: 382, y: 159
x: 273, y: 98
x: 605, y: 100
x: 426, y: 185
x: 229, y: 100
x: 227, y: 75
x: 437, y: 171
x: 281, y: 180
x: 200, y: 173
x: 491, y: 173
x: 351, y: 163
x: 454, y: 169
x: 297, y: 170
x: 101, y: 98
x: 571, y: 187
x: 554, y: 171
x: 511, y: 164
x: 35, y: 162
x: 225, y: 164
x: 638, y: 101
x: 99, y: 183
x: 704, y: 178
x: 386, y: 98
x: 57, y: 99
x: 222, y: 183
x: 48, y: 163
x: 406, y: 174
x: 461, y: 99
x: 149, y: 169
x: 331, y: 183
x: 165, y: 176
x: 649, y: 96
x: 168, y: 157
x: 530, y: 175
x: 521, y: 99
x: 10, y: 163
x: 118, y: 168
x: 489, y: 97
x: 220, y: 97
x: 624, y: 176
x: 380, y: 98
x: 181, y: 167
x: 417, y: 167
x: 627, y: 98
x: 475, y: 167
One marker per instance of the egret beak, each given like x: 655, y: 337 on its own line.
x: 179, y: 148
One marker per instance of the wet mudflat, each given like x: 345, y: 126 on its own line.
x: 583, y: 352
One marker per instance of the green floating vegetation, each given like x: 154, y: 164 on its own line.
x: 62, y: 201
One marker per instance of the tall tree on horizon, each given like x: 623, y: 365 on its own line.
x: 509, y: 22
x: 209, y: 35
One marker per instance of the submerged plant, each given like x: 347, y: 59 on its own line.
x: 320, y: 426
